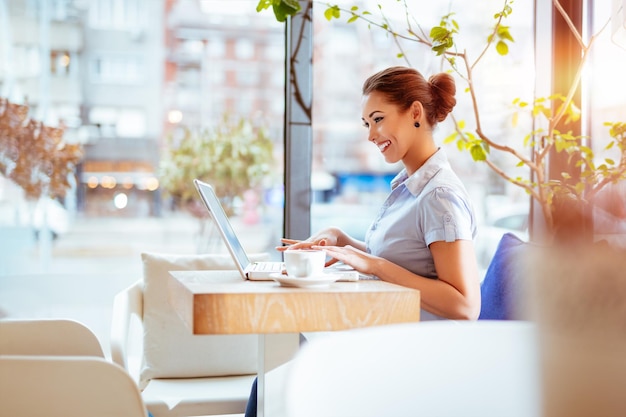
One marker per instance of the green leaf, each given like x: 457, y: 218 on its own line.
x: 450, y: 138
x: 502, y: 48
x: 439, y: 49
x: 332, y: 12
x: 353, y: 18
x: 504, y: 34
x: 285, y: 9
x: 263, y: 4
x: 438, y: 33
x: 292, y: 4
x: 478, y: 153
x: 580, y: 188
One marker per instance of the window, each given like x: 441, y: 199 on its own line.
x: 244, y: 49
x: 117, y: 14
x: 117, y: 69
x: 606, y: 104
x: 60, y: 63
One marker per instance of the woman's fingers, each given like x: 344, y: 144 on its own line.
x: 331, y: 262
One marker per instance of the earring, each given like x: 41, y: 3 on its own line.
x: 416, y: 124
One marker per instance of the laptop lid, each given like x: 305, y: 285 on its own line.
x: 216, y: 210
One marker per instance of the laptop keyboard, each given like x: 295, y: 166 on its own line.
x: 268, y: 266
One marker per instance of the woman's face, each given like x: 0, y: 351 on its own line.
x: 389, y: 129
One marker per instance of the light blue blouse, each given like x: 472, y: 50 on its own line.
x: 429, y: 206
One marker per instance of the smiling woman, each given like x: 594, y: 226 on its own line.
x: 339, y: 66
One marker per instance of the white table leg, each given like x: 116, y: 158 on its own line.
x: 274, y: 350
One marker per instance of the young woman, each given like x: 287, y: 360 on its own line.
x: 423, y: 235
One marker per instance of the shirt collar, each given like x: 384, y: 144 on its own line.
x: 416, y: 182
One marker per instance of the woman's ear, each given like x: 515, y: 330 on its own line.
x: 416, y: 110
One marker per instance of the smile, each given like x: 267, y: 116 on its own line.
x: 384, y: 145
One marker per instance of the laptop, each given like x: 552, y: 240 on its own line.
x: 254, y: 271
x: 249, y: 270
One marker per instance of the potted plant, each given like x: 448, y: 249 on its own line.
x: 553, y: 115
x: 234, y: 157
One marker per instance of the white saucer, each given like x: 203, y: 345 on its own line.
x: 323, y: 280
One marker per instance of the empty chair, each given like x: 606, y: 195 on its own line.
x: 67, y: 386
x: 175, y: 396
x: 434, y: 369
x: 179, y: 373
x: 47, y: 337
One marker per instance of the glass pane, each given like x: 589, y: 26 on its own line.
x: 350, y: 177
x: 607, y: 96
x: 197, y: 69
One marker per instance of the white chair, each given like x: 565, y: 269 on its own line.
x: 434, y: 369
x: 66, y: 386
x: 179, y: 374
x: 47, y: 337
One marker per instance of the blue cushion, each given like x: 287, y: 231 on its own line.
x: 498, y: 290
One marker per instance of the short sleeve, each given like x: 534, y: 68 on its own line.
x: 445, y: 215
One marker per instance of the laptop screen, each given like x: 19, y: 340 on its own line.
x: 221, y: 220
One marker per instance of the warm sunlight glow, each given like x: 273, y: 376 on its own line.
x: 175, y: 116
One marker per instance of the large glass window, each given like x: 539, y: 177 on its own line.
x: 155, y: 71
x: 607, y: 104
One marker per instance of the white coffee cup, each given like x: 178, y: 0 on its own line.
x: 304, y: 263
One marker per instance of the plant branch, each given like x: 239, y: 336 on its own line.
x: 584, y: 56
x: 569, y: 22
x: 306, y: 107
x: 493, y: 35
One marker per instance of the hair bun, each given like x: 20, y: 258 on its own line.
x: 443, y: 89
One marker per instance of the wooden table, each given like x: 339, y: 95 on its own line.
x: 220, y: 302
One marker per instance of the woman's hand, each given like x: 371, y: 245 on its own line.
x: 349, y: 255
x: 327, y: 237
